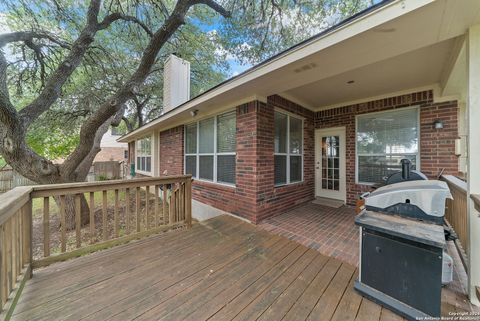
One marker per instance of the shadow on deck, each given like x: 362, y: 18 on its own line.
x: 222, y: 269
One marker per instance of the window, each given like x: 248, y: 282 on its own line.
x: 210, y: 148
x: 144, y: 155
x: 288, y: 149
x: 383, y: 139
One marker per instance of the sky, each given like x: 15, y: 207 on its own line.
x: 235, y: 66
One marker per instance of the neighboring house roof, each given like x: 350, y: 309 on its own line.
x: 374, y: 35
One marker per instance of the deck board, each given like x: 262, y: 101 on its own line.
x: 222, y: 269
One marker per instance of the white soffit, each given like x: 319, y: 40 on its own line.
x: 418, y: 68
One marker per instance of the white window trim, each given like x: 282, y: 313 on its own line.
x: 137, y: 170
x: 418, y: 158
x: 288, y: 154
x: 215, y: 154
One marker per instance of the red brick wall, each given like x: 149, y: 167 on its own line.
x: 254, y: 197
x: 171, y: 151
x: 437, y: 147
x: 239, y: 200
x: 275, y: 200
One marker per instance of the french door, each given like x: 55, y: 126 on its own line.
x: 330, y: 163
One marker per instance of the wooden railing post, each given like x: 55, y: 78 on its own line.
x: 137, y: 209
x: 112, y: 210
x: 46, y: 227
x: 171, y: 205
x: 28, y: 236
x: 188, y: 202
x: 16, y: 247
x: 78, y: 221
x: 92, y: 217
x: 456, y: 210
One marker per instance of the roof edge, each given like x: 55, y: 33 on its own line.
x: 371, y: 9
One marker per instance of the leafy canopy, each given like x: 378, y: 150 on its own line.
x: 256, y: 31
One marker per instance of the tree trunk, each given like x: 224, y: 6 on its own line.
x: 70, y: 211
x: 14, y: 124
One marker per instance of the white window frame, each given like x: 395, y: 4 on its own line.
x: 357, y: 155
x: 215, y: 154
x: 137, y: 143
x: 288, y: 154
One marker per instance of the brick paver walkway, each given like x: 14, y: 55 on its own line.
x: 331, y: 231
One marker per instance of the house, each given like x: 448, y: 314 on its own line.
x: 111, y: 150
x: 332, y: 116
x: 327, y: 118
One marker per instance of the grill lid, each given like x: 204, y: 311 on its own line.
x: 428, y: 196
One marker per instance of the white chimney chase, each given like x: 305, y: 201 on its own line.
x: 176, y: 82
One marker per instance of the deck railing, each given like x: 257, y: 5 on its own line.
x: 47, y: 223
x: 456, y: 209
x: 15, y: 243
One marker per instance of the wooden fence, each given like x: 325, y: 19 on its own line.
x: 139, y: 207
x: 9, y: 179
x: 107, y: 170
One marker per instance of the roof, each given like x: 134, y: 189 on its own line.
x: 242, y: 77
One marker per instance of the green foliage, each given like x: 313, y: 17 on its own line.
x: 52, y: 142
x: 257, y: 30
x: 262, y: 28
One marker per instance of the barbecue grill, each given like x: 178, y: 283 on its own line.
x: 402, y: 244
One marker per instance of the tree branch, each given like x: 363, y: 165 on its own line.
x: 127, y: 90
x: 82, y: 170
x: 131, y: 86
x: 54, y: 84
x: 38, y: 53
x: 108, y: 20
x: 24, y: 36
x: 215, y: 6
x: 128, y: 123
x: 8, y: 113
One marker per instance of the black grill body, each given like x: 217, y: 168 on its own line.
x: 401, y: 264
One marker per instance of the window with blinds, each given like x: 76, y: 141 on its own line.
x: 210, y: 148
x: 288, y: 159
x: 144, y: 155
x: 383, y: 139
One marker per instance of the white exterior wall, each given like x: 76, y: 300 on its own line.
x: 473, y: 162
x: 109, y: 140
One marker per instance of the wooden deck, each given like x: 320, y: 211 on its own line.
x: 223, y: 269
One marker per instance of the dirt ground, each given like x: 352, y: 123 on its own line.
x: 55, y: 228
